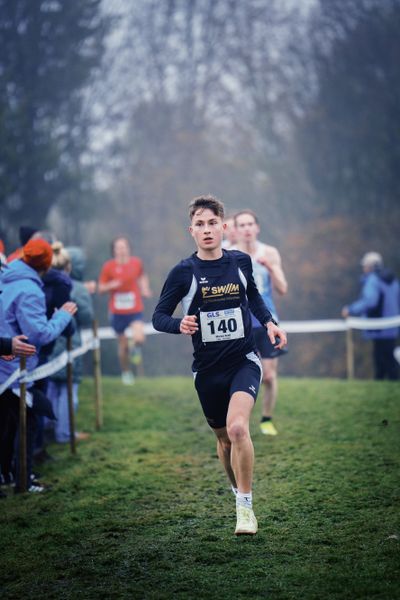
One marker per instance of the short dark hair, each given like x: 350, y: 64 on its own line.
x: 204, y: 202
x: 246, y: 212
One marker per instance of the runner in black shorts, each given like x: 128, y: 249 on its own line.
x: 217, y: 291
x: 270, y: 279
x: 215, y: 388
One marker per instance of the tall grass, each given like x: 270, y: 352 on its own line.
x: 144, y: 511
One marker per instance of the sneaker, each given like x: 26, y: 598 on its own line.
x: 34, y: 488
x: 128, y: 378
x: 246, y: 523
x: 268, y: 428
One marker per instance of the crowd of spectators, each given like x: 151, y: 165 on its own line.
x: 43, y: 302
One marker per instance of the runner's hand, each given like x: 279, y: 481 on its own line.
x: 188, y: 325
x: 263, y: 260
x: 276, y: 332
x: 114, y: 284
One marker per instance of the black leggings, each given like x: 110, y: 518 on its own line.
x: 385, y: 364
x: 9, y: 422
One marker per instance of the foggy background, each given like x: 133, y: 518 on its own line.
x: 113, y: 115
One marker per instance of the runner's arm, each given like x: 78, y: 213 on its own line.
x: 272, y: 261
x: 107, y: 282
x: 174, y: 289
x: 256, y: 303
x: 144, y: 286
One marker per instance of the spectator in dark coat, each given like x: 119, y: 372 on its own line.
x: 57, y: 287
x: 74, y: 263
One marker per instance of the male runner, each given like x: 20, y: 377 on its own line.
x: 124, y: 279
x: 216, y: 288
x: 269, y: 276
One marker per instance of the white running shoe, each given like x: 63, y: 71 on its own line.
x: 246, y: 523
x: 36, y: 489
x: 127, y: 378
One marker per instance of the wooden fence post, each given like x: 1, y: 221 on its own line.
x: 23, y: 474
x: 72, y: 440
x: 349, y: 354
x: 98, y: 398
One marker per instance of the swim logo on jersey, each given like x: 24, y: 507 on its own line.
x: 210, y: 294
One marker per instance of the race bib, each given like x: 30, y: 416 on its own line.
x: 124, y: 300
x: 221, y: 325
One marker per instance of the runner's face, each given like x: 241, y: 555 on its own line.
x: 246, y: 228
x: 207, y: 229
x: 121, y: 250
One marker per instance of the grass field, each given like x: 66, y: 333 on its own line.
x: 144, y: 511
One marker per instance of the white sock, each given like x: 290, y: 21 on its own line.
x: 234, y: 490
x: 244, y: 499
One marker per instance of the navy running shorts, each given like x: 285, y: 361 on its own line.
x: 215, y: 388
x: 264, y: 347
x: 121, y: 322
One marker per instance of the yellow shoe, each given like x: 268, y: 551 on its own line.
x: 268, y: 428
x: 246, y: 523
x: 136, y: 356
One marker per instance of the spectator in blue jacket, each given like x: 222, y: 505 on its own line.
x: 379, y: 297
x: 24, y: 312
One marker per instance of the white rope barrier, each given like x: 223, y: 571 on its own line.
x: 90, y: 342
x: 322, y: 326
x: 332, y: 325
x: 329, y: 325
x: 383, y: 323
x: 51, y: 367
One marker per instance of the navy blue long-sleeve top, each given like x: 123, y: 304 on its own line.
x: 212, y: 287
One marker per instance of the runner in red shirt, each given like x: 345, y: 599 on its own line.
x: 124, y: 279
